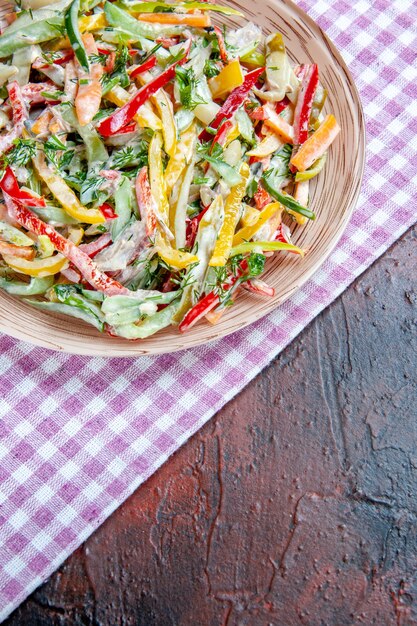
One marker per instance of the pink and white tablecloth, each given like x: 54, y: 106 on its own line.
x: 78, y: 434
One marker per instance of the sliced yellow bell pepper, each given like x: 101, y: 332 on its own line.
x: 65, y: 195
x: 145, y: 117
x: 232, y: 135
x: 174, y: 258
x: 156, y: 176
x: 86, y: 24
x: 163, y: 105
x: 249, y: 216
x: 268, y: 145
x: 165, y: 109
x: 246, y: 233
x: 89, y: 23
x: 231, y: 216
x: 181, y: 158
x: 229, y: 78
x: 46, y: 266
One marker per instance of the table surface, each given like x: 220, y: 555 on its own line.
x: 296, y: 504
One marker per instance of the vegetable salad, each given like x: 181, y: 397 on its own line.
x: 150, y: 161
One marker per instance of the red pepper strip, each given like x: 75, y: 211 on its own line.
x: 206, y: 304
x: 262, y: 198
x: 258, y: 286
x: 221, y: 134
x: 233, y: 102
x: 167, y: 42
x: 192, y: 228
x: 148, y: 65
x: 67, y: 56
x: 9, y: 185
x: 300, y: 70
x: 280, y: 106
x: 302, y: 112
x: 94, y: 247
x: 112, y: 124
x: 32, y: 92
x: 108, y: 211
x: 104, y: 51
x: 146, y: 202
x: 20, y: 114
x: 91, y: 273
x: 304, y: 104
x: 283, y: 234
x: 222, y: 45
x: 110, y: 62
x: 129, y: 128
x: 199, y: 310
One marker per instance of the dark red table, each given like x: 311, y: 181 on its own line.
x: 295, y: 505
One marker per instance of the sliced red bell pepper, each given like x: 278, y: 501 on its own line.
x: 233, y: 102
x: 192, y: 228
x: 94, y: 247
x: 20, y: 114
x: 221, y: 134
x: 91, y: 273
x: 259, y: 287
x: 211, y: 300
x: 199, y: 310
x: 145, y: 67
x: 9, y: 185
x: 112, y: 124
x: 282, y: 105
x: 304, y: 104
x: 309, y: 81
x: 167, y: 42
x: 222, y: 44
x: 129, y: 128
x: 262, y: 198
x: 108, y: 211
x: 64, y: 58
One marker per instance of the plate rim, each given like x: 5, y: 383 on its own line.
x: 120, y: 352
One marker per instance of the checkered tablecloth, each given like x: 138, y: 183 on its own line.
x: 78, y: 435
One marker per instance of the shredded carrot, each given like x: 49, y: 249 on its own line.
x: 317, y: 144
x: 197, y: 21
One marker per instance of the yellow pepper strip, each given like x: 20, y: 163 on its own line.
x: 44, y: 266
x: 232, y: 135
x: 249, y: 215
x: 46, y: 247
x: 181, y: 158
x: 145, y: 117
x: 229, y: 78
x: 90, y: 23
x: 246, y: 233
x: 231, y: 216
x: 65, y: 195
x: 165, y: 109
x: 268, y: 145
x: 163, y: 105
x: 174, y: 258
x: 156, y: 176
x: 86, y: 24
